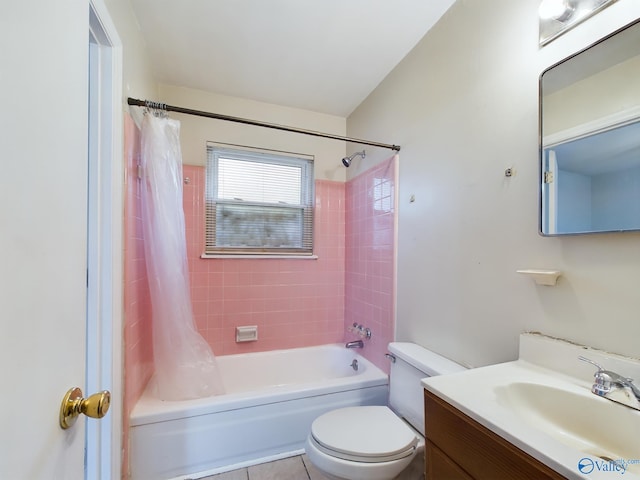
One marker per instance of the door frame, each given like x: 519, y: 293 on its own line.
x: 550, y: 192
x: 105, y: 244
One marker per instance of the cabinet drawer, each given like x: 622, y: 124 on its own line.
x: 477, y: 450
x: 441, y: 467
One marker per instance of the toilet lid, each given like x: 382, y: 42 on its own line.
x: 368, y: 434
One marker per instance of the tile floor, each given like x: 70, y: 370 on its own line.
x: 300, y: 468
x: 292, y: 468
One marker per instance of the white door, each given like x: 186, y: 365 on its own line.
x: 43, y: 245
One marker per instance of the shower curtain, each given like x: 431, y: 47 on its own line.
x: 185, y: 366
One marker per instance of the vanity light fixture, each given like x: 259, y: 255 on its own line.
x: 558, y: 16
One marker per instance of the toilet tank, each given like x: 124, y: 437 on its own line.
x: 413, y: 363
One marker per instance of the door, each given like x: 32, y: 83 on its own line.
x: 43, y: 248
x: 43, y: 244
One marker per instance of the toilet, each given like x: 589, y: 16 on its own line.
x: 380, y: 442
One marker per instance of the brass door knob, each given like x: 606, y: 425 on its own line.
x: 95, y: 406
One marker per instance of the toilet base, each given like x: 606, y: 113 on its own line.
x: 415, y: 470
x: 408, y: 468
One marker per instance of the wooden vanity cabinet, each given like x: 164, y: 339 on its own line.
x: 459, y: 448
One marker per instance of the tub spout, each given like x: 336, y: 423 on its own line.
x: 355, y: 344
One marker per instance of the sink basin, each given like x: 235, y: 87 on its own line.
x: 577, y: 418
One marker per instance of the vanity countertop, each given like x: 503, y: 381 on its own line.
x: 551, y: 413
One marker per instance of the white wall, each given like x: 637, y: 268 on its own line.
x: 464, y: 106
x: 138, y: 78
x: 196, y: 131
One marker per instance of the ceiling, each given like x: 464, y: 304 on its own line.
x: 320, y: 55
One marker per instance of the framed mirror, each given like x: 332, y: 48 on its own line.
x: 590, y: 139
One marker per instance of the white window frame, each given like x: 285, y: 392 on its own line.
x: 213, y: 203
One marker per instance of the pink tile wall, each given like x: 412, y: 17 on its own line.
x: 294, y: 303
x: 138, y: 349
x: 369, y: 267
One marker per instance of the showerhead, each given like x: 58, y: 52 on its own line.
x: 346, y: 161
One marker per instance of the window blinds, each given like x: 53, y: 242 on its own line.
x: 258, y: 203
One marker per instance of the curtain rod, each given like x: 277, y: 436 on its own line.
x: 246, y: 121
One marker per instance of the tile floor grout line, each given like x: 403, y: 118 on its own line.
x: 305, y: 468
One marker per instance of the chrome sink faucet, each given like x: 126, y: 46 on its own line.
x: 613, y: 386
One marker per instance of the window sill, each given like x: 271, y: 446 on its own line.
x: 261, y: 257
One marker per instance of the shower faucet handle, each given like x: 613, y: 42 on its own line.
x: 364, y: 332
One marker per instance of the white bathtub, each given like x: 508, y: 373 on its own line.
x: 272, y: 398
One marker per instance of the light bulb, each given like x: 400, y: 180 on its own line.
x: 552, y: 9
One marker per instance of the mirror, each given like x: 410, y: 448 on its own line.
x: 590, y: 139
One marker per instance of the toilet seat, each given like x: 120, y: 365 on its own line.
x: 369, y: 434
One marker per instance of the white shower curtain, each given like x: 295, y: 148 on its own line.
x: 185, y: 366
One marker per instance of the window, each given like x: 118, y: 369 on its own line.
x: 258, y: 203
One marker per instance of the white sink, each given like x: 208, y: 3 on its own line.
x: 577, y: 418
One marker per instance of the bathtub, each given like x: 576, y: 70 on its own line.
x: 272, y: 398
